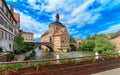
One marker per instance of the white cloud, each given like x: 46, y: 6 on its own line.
x: 72, y: 12
x: 33, y: 4
x: 73, y: 31
x: 82, y: 7
x: 76, y: 10
x: 112, y: 28
x: 31, y: 25
x: 109, y: 4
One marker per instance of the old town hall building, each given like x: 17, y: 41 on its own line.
x: 58, y: 35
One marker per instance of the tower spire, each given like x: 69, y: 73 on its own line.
x: 57, y: 17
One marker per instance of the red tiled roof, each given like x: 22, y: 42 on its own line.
x: 116, y: 35
x: 17, y: 17
x: 59, y: 32
x: 79, y: 39
x: 21, y: 32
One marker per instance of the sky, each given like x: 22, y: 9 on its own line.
x: 81, y: 17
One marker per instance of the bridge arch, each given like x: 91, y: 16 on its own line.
x: 47, y: 44
x: 73, y: 47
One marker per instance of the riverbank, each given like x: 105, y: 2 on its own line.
x: 23, y: 56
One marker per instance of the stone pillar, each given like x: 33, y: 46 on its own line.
x: 96, y: 55
x: 57, y: 57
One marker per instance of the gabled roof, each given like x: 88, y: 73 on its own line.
x: 116, y: 35
x: 17, y: 17
x: 79, y: 39
x: 59, y: 32
x: 23, y: 32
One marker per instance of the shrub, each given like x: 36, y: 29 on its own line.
x: 1, y: 49
x: 12, y: 55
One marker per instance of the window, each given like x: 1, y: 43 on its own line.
x: 10, y: 46
x: 7, y: 13
x: 9, y: 37
x: 0, y: 3
x: 12, y: 38
x: 2, y: 7
x: 56, y: 28
x: 1, y: 34
x: 5, y: 24
x: 6, y: 35
x: 1, y: 20
x: 5, y: 10
x: 10, y: 28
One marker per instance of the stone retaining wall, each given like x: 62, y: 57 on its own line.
x: 4, y: 57
x: 22, y: 56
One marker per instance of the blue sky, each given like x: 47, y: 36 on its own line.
x: 81, y: 17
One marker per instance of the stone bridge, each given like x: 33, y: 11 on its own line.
x: 48, y: 44
x: 74, y: 46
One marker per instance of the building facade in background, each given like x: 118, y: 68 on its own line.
x: 58, y: 35
x: 9, y: 25
x: 116, y: 40
x: 28, y: 36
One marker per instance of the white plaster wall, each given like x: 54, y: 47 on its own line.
x: 5, y: 45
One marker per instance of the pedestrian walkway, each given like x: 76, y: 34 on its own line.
x: 109, y: 72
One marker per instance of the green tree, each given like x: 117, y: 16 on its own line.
x: 92, y: 37
x: 103, y: 45
x: 110, y: 35
x: 18, y: 42
x: 29, y: 46
x: 72, y: 39
x: 88, y: 45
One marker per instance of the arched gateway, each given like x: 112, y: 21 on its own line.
x: 48, y: 44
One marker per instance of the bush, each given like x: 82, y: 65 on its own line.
x: 103, y: 45
x: 1, y: 49
x: 12, y: 55
x: 29, y: 45
x: 88, y: 45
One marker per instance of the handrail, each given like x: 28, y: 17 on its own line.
x: 55, y: 59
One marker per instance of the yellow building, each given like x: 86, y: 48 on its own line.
x: 58, y: 35
x: 28, y: 36
x: 116, y: 40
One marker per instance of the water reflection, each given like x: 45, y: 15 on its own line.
x: 42, y: 54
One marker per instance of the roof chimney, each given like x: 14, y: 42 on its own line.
x: 12, y: 9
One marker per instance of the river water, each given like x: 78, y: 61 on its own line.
x: 42, y: 54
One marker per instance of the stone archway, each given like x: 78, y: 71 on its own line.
x: 72, y: 47
x: 48, y: 48
x: 47, y: 44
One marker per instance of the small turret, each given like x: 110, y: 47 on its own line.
x: 57, y: 17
